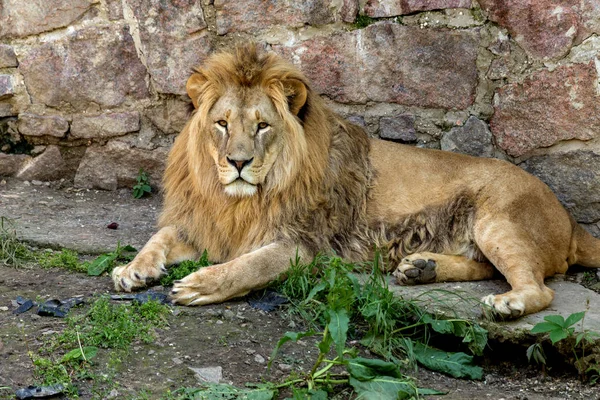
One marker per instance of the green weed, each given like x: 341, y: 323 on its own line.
x: 142, y: 185
x: 67, y: 259
x: 183, y: 269
x: 12, y: 250
x: 107, y: 261
x: 362, y: 21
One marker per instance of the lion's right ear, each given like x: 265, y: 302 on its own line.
x: 296, y: 93
x: 194, y: 87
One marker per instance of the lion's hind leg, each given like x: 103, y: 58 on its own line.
x: 428, y: 267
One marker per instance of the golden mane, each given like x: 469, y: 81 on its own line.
x: 323, y: 172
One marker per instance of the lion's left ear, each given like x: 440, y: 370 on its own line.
x: 296, y: 93
x: 194, y: 87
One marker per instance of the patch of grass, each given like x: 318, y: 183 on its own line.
x: 183, y: 269
x: 107, y: 261
x: 362, y: 21
x: 12, y: 251
x: 67, y: 259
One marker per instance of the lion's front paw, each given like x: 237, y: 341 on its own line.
x: 205, y: 286
x: 137, y: 273
x: 413, y: 270
x: 504, y: 306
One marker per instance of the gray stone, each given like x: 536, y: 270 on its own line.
x: 7, y: 88
x: 171, y: 116
x: 401, y: 127
x: 575, y: 179
x: 547, y: 107
x: 388, y: 62
x: 349, y: 10
x: 48, y: 166
x: 42, y: 125
x: 474, y: 138
x: 117, y: 165
x: 115, y: 9
x: 11, y: 163
x: 20, y: 18
x: 259, y: 359
x: 172, y: 39
x: 7, y: 110
x: 390, y: 8
x: 208, y: 374
x: 104, y: 125
x: 253, y: 15
x: 92, y: 66
x: 8, y: 58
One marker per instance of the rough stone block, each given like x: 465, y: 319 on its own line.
x: 105, y: 125
x: 114, y: 9
x: 95, y: 65
x: 6, y: 110
x: 48, y: 166
x: 117, y: 165
x: 574, y: 177
x: 11, y: 163
x: 8, y: 59
x: 387, y: 62
x: 7, y: 88
x: 544, y: 29
x: 172, y: 40
x: 349, y: 10
x: 23, y: 18
x: 171, y: 116
x: 390, y: 8
x: 473, y: 138
x: 546, y: 108
x: 400, y: 128
x: 254, y: 15
x: 42, y: 125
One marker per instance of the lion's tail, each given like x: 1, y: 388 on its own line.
x: 587, y: 248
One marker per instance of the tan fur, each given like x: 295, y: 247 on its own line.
x: 264, y: 172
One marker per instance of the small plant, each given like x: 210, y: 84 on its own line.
x: 142, y: 185
x: 12, y: 250
x: 183, y: 269
x: 66, y: 258
x: 558, y: 327
x: 362, y: 21
x: 107, y: 261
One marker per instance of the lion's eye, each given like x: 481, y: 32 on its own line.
x: 222, y: 122
x: 262, y: 125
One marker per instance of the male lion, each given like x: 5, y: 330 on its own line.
x: 264, y: 171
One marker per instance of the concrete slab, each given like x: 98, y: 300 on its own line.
x: 77, y: 220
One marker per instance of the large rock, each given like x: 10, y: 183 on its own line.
x: 387, y: 62
x: 546, y: 108
x: 95, y: 65
x: 544, y: 29
x: 390, y: 8
x: 253, y: 15
x: 401, y: 127
x: 104, y: 125
x: 48, y: 166
x: 117, y: 165
x: 574, y: 177
x: 171, y: 116
x: 20, y: 18
x: 11, y: 163
x: 8, y: 58
x: 172, y: 40
x: 7, y: 88
x: 42, y: 125
x: 474, y: 138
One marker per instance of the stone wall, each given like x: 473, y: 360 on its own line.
x: 93, y: 90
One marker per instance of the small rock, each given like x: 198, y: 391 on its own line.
x: 208, y: 374
x: 2, y: 182
x: 35, y: 316
x: 177, y: 361
x: 113, y: 394
x: 250, y: 351
x: 228, y: 314
x: 259, y: 359
x: 37, y: 183
x: 3, y: 308
x: 285, y: 367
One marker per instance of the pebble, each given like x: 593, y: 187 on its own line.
x: 208, y: 374
x: 151, y: 352
x: 37, y: 183
x: 3, y: 308
x: 35, y: 316
x: 259, y: 359
x: 177, y: 361
x: 228, y: 314
x: 284, y: 367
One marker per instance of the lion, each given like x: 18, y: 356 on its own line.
x: 264, y: 172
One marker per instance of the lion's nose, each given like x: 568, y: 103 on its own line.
x: 239, y: 164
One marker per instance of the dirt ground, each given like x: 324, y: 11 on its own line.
x: 233, y: 336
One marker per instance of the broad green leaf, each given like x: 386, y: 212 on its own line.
x: 315, y: 290
x: 308, y: 394
x: 458, y: 365
x: 439, y: 325
x: 295, y: 336
x: 383, y: 388
x: 228, y: 392
x: 477, y: 338
x: 365, y: 369
x: 558, y: 335
x: 574, y: 318
x: 129, y: 248
x: 555, y: 319
x: 101, y: 264
x: 338, y: 328
x: 544, y: 327
x: 430, y: 392
x: 76, y: 355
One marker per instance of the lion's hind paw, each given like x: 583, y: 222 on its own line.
x: 412, y: 270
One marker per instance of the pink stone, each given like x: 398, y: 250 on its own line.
x: 390, y: 8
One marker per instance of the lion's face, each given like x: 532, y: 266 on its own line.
x: 245, y: 138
